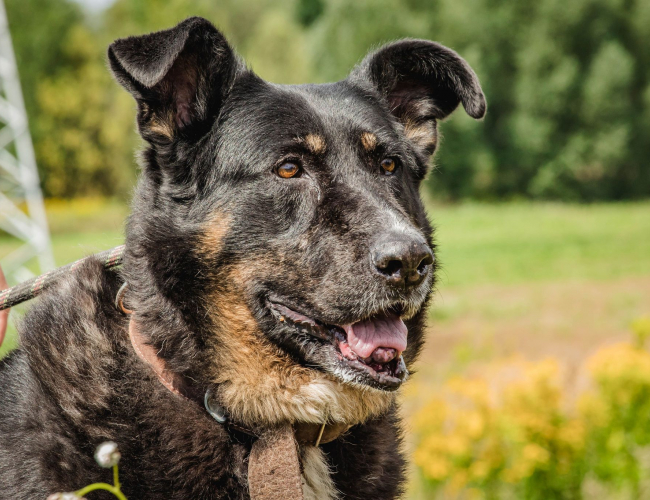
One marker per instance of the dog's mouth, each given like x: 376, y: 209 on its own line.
x: 370, y: 348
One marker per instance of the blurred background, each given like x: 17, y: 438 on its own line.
x: 535, y: 382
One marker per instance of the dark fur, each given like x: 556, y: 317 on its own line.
x: 213, y: 232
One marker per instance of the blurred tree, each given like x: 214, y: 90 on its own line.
x: 567, y: 83
x: 80, y: 124
x: 568, y: 89
x: 38, y: 41
x: 309, y: 10
x: 86, y: 126
x: 346, y: 31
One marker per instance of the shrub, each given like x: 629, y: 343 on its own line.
x: 513, y: 432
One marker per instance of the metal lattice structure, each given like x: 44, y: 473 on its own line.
x: 22, y: 213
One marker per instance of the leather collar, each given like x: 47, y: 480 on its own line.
x: 305, y: 433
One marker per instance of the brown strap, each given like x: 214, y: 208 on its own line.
x: 309, y: 434
x: 317, y: 434
x: 274, y: 467
x: 148, y: 354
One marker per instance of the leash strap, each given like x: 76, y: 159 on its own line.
x: 31, y: 288
x: 274, y: 466
x: 147, y: 354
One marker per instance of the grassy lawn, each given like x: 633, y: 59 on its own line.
x: 537, y: 278
x: 523, y: 243
x: 533, y: 279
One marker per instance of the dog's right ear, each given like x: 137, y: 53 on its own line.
x: 179, y: 77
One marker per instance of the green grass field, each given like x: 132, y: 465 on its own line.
x: 522, y: 243
x: 540, y: 279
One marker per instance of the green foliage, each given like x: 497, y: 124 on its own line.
x: 348, y: 30
x: 567, y: 83
x: 86, y: 126
x: 37, y: 41
x: 309, y: 10
x: 641, y: 330
x: 82, y: 125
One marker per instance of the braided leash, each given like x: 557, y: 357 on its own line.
x: 31, y: 288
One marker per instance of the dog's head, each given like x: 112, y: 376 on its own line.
x: 281, y: 226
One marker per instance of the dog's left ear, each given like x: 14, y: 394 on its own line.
x: 422, y: 82
x: 179, y: 77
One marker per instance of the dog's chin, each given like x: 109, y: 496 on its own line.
x: 366, y: 353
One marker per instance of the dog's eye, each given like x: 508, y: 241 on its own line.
x: 388, y: 166
x: 288, y: 170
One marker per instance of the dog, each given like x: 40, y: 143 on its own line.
x: 278, y: 266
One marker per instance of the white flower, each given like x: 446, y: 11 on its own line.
x: 107, y: 455
x: 65, y: 496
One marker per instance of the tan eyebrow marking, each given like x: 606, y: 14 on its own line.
x: 162, y: 128
x: 423, y: 134
x: 369, y: 141
x: 315, y: 143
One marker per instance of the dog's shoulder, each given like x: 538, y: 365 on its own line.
x: 72, y: 337
x: 56, y: 381
x: 78, y: 310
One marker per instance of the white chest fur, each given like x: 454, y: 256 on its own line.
x: 316, y: 479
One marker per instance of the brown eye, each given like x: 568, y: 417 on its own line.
x: 288, y: 170
x: 388, y: 165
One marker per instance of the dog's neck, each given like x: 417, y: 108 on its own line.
x: 305, y: 433
x: 260, y: 386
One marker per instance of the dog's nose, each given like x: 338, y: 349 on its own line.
x: 402, y: 260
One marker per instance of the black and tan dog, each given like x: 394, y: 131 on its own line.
x: 278, y: 256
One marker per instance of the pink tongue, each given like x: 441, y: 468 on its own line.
x: 387, y: 332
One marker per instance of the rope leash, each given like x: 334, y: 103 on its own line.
x: 31, y: 288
